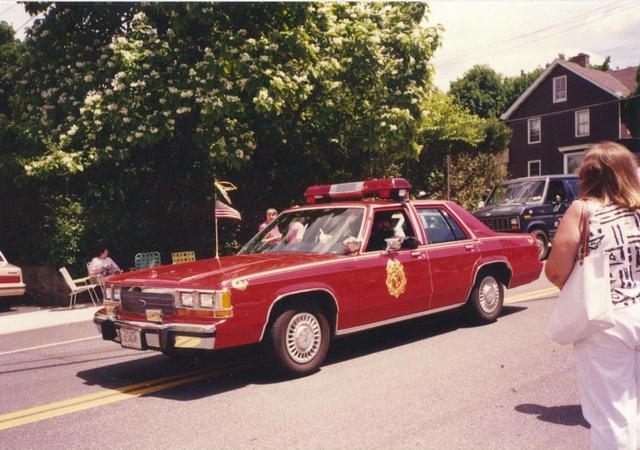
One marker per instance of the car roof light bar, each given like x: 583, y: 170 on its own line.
x: 386, y: 188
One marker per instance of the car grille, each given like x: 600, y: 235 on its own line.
x: 498, y: 223
x: 136, y: 301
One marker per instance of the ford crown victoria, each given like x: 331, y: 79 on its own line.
x: 356, y: 256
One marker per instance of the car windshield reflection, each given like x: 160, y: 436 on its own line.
x: 520, y: 192
x: 320, y: 231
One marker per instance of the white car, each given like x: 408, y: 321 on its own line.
x: 10, y: 279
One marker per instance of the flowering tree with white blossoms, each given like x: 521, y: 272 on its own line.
x: 275, y: 75
x: 126, y: 111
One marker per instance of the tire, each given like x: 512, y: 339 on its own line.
x: 299, y: 341
x: 543, y: 243
x: 486, y: 300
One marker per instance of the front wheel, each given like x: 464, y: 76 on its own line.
x: 299, y: 341
x: 487, y: 298
x: 542, y: 241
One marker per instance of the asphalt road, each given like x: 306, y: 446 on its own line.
x: 429, y: 383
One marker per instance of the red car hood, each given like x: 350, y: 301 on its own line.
x: 209, y: 273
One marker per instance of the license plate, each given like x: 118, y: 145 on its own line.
x: 154, y: 315
x: 130, y: 338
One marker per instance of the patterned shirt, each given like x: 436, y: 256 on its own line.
x: 616, y: 230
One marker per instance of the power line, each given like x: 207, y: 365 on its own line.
x: 511, y: 39
x: 24, y: 24
x: 10, y: 7
x: 493, y: 51
x: 592, y: 105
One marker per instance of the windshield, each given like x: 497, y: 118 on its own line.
x: 518, y: 192
x: 322, y: 230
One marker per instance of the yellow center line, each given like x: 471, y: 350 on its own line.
x: 107, y: 396
x: 531, y: 295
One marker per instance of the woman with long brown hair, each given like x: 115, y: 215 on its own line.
x: 608, y: 362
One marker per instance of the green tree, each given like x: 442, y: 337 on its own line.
x: 138, y: 106
x: 470, y: 142
x: 481, y: 91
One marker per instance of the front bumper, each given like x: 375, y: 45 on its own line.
x: 155, y: 336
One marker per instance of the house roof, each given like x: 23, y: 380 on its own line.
x: 626, y: 76
x: 616, y: 82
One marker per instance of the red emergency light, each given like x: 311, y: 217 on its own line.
x: 386, y: 188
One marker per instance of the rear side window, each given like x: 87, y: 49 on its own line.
x: 574, y: 183
x: 440, y: 226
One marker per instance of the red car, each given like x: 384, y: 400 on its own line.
x: 357, y: 256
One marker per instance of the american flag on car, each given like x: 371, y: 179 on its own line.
x: 224, y: 211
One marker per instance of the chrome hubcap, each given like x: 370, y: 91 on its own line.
x: 540, y: 243
x: 489, y: 294
x: 303, y: 337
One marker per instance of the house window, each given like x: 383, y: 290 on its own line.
x: 535, y: 132
x: 560, y: 89
x: 572, y: 162
x: 582, y: 123
x: 535, y: 168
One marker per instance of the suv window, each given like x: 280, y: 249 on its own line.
x: 440, y: 226
x: 556, y: 188
x: 517, y: 192
x: 574, y: 183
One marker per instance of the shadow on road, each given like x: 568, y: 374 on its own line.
x: 569, y: 415
x: 251, y: 359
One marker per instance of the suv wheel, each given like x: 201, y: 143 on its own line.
x: 542, y: 241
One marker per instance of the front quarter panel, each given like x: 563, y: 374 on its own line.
x: 253, y: 305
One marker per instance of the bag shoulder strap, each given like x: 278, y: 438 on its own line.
x: 584, y: 232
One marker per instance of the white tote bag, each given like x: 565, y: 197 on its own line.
x: 584, y: 305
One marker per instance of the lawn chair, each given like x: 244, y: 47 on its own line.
x: 182, y: 257
x: 146, y: 260
x: 78, y: 286
x: 96, y: 279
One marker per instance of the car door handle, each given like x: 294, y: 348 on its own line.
x: 469, y: 247
x: 416, y: 254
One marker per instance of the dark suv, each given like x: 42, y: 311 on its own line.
x: 531, y: 205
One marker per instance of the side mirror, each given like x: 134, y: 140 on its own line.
x: 481, y: 204
x: 351, y: 245
x: 393, y: 244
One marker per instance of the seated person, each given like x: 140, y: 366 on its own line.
x: 102, y: 265
x: 296, y: 231
x: 382, y: 229
x: 273, y: 236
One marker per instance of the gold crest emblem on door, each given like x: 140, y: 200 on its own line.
x: 396, y: 278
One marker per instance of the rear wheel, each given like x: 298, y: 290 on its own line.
x: 542, y: 241
x: 487, y: 298
x: 299, y: 341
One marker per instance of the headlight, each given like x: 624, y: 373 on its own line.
x: 515, y: 223
x: 187, y: 298
x: 206, y: 300
x: 108, y: 293
x: 116, y: 293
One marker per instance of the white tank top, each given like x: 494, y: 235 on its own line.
x: 616, y: 230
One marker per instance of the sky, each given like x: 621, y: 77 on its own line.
x: 508, y: 36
